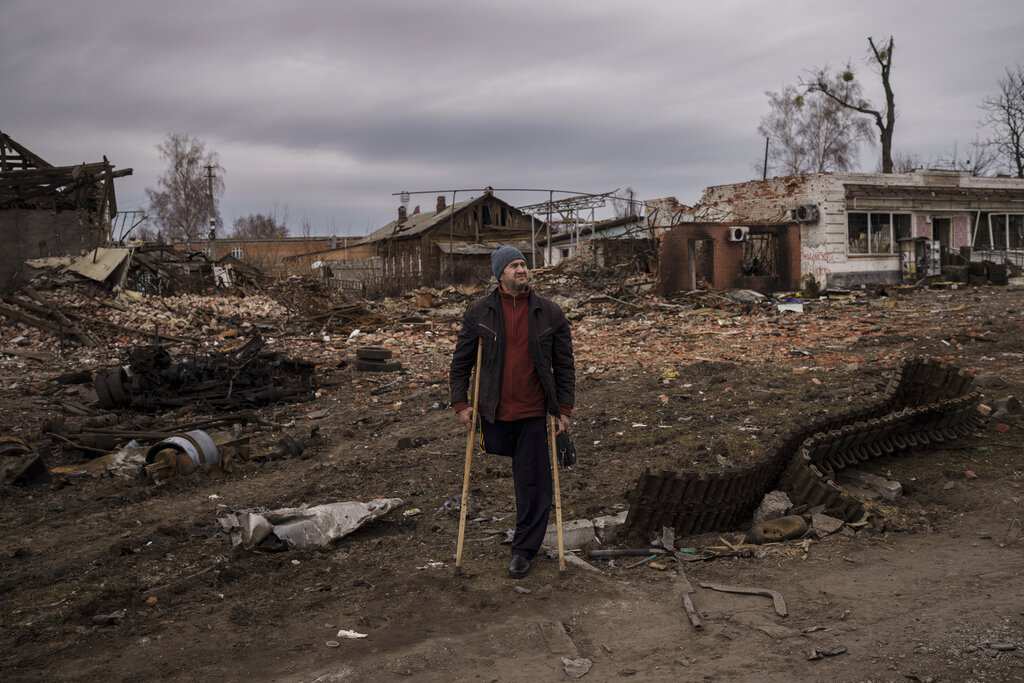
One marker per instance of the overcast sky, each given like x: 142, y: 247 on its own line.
x: 327, y: 108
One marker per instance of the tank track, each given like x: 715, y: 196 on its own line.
x: 925, y: 402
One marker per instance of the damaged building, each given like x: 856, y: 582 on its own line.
x: 48, y: 210
x: 759, y: 255
x: 451, y: 244
x: 861, y: 228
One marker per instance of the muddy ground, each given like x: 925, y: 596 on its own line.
x: 933, y: 590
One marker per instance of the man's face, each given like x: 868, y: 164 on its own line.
x: 516, y: 276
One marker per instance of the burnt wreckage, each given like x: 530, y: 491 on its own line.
x: 230, y: 379
x: 925, y: 402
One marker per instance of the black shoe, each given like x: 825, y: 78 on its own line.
x: 519, y: 567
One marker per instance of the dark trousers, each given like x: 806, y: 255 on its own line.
x: 526, y: 442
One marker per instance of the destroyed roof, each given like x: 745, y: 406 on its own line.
x: 15, y: 157
x: 612, y: 228
x: 416, y: 223
x: 29, y: 182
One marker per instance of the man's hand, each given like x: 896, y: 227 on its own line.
x: 466, y: 417
x: 563, y: 424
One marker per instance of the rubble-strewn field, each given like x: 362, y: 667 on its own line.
x: 113, y: 577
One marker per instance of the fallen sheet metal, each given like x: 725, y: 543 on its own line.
x: 304, y: 526
x: 100, y: 263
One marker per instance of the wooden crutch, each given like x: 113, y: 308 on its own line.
x: 558, y: 500
x: 464, y: 504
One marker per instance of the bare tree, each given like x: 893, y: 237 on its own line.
x: 884, y: 117
x: 903, y: 161
x: 180, y: 206
x: 1004, y: 112
x: 811, y: 133
x: 258, y: 226
x: 979, y: 158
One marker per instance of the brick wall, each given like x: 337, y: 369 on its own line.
x: 716, y: 260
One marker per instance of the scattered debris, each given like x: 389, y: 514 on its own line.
x: 825, y: 524
x: 576, y: 668
x: 303, y: 526
x: 686, y: 587
x: 888, y: 489
x: 239, y: 377
x: 773, y: 505
x: 558, y: 641
x: 777, y: 601
x: 182, y: 454
x: 350, y: 634
x: 115, y: 618
x: 576, y: 534
x: 819, y: 653
x: 778, y: 529
x: 27, y: 469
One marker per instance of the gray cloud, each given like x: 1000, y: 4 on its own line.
x: 330, y: 107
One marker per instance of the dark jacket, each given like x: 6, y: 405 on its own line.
x: 550, y: 347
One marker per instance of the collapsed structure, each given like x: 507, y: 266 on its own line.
x: 48, y: 210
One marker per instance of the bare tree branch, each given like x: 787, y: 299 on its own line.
x: 885, y: 118
x: 1004, y: 114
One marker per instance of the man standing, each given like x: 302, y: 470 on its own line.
x: 526, y: 374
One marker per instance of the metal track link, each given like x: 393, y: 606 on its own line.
x: 925, y: 402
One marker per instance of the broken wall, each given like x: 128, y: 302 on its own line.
x: 28, y: 234
x: 825, y: 254
x: 719, y: 261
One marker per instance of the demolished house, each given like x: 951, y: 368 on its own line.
x: 611, y: 241
x: 47, y: 210
x: 451, y: 244
x: 761, y: 256
x: 860, y: 228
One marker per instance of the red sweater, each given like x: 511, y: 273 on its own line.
x: 521, y: 392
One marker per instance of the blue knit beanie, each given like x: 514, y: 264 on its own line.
x: 501, y: 257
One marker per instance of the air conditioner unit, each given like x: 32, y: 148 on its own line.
x: 806, y: 213
x: 738, y: 233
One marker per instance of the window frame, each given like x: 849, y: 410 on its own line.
x: 885, y: 222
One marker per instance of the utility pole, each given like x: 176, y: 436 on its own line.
x: 213, y: 221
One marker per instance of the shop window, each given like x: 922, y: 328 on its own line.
x: 983, y: 235
x: 1016, y: 231
x: 999, y: 232
x: 857, y: 229
x: 902, y: 225
x: 881, y: 233
x: 875, y: 233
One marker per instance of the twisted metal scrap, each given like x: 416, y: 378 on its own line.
x: 925, y: 402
